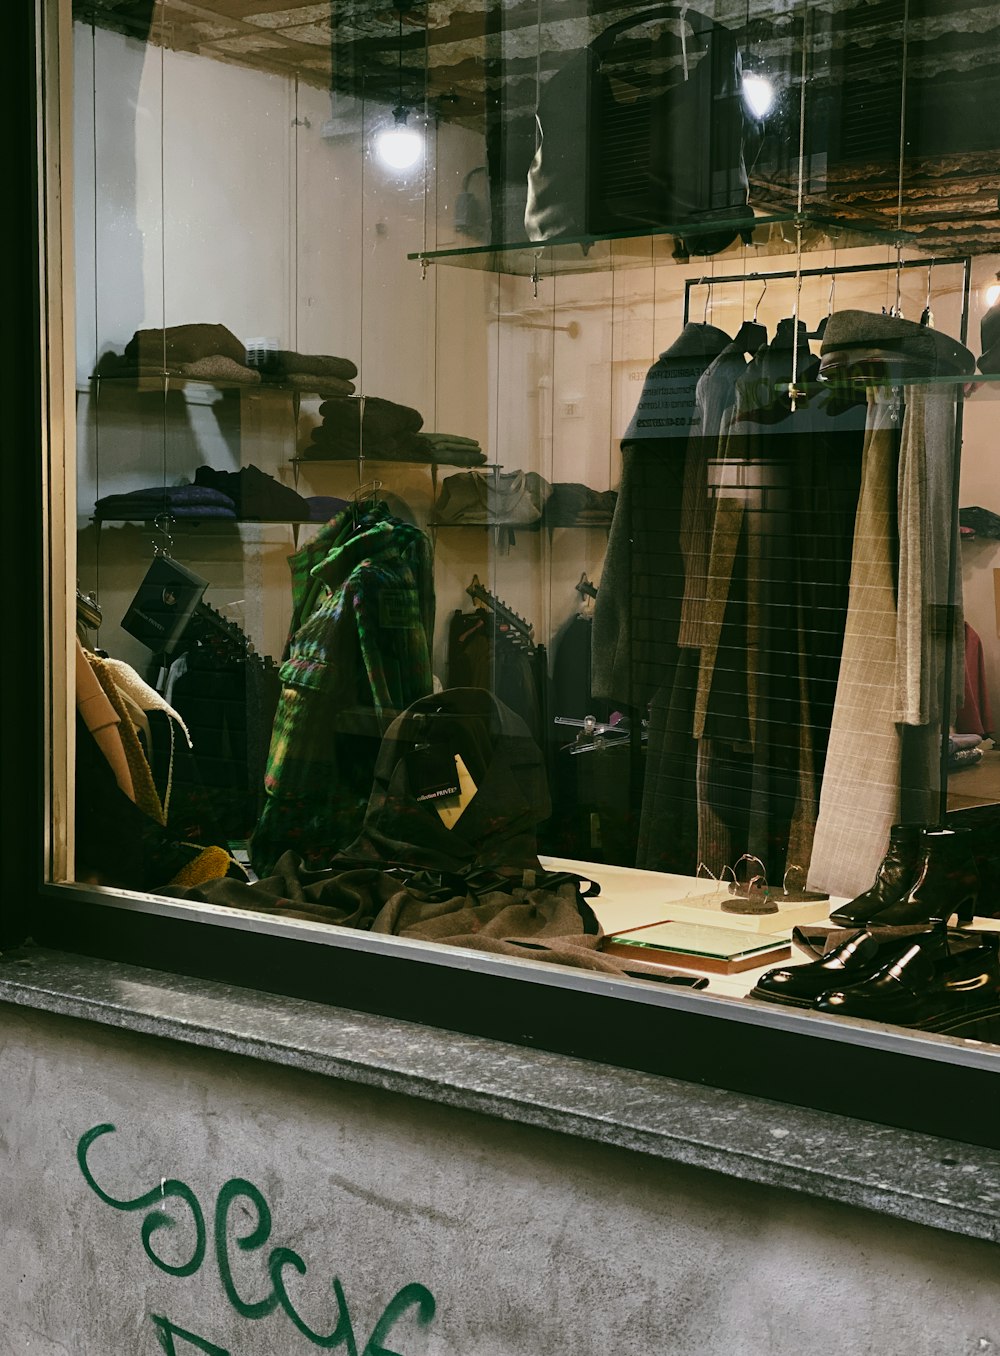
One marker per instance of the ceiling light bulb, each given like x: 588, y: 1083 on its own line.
x: 759, y: 94
x: 399, y: 146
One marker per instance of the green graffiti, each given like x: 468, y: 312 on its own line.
x: 239, y: 1190
x: 409, y: 1297
x: 167, y: 1331
x: 233, y: 1190
x: 158, y: 1219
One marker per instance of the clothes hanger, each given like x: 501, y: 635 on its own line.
x: 759, y: 300
x: 368, y: 490
x: 750, y: 336
x: 927, y: 315
x: 479, y: 594
x: 588, y: 596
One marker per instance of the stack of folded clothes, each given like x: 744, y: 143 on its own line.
x: 385, y: 430
x: 312, y: 373
x: 249, y: 495
x: 964, y: 751
x: 199, y: 352
x: 450, y: 449
x: 180, y: 501
x: 257, y: 496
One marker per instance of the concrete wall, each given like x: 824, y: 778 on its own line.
x: 522, y: 1242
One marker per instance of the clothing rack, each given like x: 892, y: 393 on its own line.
x: 479, y: 594
x: 838, y: 270
x: 889, y: 266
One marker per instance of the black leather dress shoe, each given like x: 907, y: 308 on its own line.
x: 949, y: 989
x: 857, y: 958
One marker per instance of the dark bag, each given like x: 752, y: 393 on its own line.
x: 662, y: 140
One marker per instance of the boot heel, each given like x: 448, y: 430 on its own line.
x: 966, y: 911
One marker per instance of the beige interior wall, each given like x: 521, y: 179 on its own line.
x: 209, y: 192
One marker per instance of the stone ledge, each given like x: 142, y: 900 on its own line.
x: 920, y: 1178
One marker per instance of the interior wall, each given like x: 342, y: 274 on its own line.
x: 206, y: 191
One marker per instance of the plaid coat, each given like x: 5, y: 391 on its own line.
x: 359, y: 652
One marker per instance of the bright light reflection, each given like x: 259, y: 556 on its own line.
x: 400, y: 147
x: 759, y: 93
x: 993, y: 294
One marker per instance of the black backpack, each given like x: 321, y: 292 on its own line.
x: 665, y: 142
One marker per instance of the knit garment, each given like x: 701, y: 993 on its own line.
x: 289, y: 364
x: 257, y: 496
x: 331, y: 445
x: 219, y: 367
x: 382, y: 418
x: 184, y: 344
x: 312, y: 384
x: 181, y: 501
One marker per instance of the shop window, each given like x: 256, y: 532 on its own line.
x: 534, y: 490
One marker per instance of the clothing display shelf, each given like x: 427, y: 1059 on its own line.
x: 172, y: 381
x: 372, y: 459
x: 772, y: 233
x: 218, y: 527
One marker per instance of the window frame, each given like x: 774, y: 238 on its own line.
x: 894, y: 1076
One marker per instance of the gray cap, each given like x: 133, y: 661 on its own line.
x: 890, y: 336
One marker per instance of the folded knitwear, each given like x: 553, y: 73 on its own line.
x: 217, y: 367
x: 449, y: 439
x: 257, y: 496
x: 381, y: 417
x: 287, y: 363
x: 181, y: 501
x: 379, y: 448
x: 323, y: 507
x: 449, y: 449
x: 184, y: 344
x: 313, y: 385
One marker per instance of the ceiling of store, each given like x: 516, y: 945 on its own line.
x: 462, y: 55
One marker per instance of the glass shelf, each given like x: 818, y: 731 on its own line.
x: 207, y: 520
x: 772, y: 232
x: 175, y: 381
x: 368, y: 457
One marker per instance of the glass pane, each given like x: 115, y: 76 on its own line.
x: 523, y: 447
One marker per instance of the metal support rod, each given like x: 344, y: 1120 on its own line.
x: 951, y: 636
x: 832, y: 270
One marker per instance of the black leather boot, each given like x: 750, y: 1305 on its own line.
x: 948, y: 882
x: 896, y: 877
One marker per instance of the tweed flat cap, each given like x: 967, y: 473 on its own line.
x: 889, y: 336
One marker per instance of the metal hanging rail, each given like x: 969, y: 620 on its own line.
x: 833, y: 270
